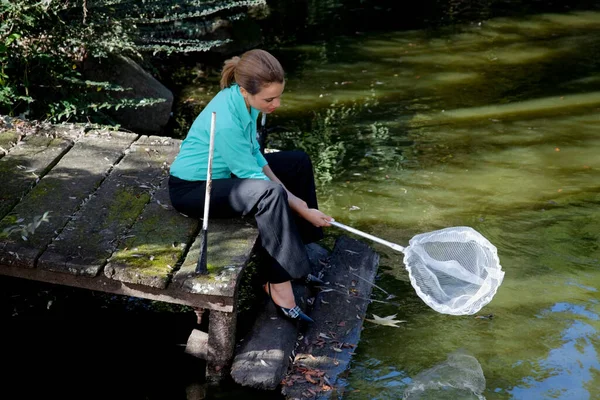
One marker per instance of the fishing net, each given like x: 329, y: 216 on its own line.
x: 459, y: 377
x: 454, y: 270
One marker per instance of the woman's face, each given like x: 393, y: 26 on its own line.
x: 267, y: 100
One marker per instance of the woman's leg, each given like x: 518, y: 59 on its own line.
x: 267, y: 201
x: 295, y: 171
x: 278, y: 232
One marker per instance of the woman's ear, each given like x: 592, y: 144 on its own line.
x: 244, y: 92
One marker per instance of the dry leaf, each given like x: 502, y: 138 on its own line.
x: 385, y: 321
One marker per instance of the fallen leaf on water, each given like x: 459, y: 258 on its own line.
x: 385, y: 321
x: 309, y: 379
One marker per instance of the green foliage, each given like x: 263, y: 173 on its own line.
x: 322, y: 141
x: 341, y: 136
x: 44, y: 43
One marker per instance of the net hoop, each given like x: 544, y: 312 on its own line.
x: 484, y: 295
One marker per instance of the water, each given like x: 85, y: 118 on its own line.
x: 493, y: 125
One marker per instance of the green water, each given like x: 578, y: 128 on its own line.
x: 494, y: 126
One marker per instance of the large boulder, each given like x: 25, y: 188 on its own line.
x: 139, y: 85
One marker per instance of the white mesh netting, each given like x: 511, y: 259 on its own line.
x: 454, y: 270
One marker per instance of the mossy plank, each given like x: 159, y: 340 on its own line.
x: 61, y: 192
x: 8, y: 138
x: 26, y: 163
x: 338, y: 314
x: 92, y: 235
x: 230, y: 243
x: 154, y: 245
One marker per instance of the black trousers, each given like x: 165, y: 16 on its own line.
x: 283, y: 234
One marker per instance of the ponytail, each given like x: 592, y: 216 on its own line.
x: 254, y: 70
x: 228, y: 73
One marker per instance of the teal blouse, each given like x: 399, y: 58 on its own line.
x: 236, y: 148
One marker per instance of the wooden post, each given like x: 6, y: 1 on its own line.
x: 221, y: 342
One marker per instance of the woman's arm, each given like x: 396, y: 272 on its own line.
x: 312, y: 215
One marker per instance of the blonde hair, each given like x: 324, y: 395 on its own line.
x: 254, y: 70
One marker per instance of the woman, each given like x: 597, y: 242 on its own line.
x: 278, y: 189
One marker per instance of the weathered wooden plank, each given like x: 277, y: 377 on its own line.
x: 104, y: 284
x: 262, y: 358
x: 26, y: 163
x: 155, y: 244
x: 230, y: 243
x: 91, y: 236
x: 339, y: 315
x: 60, y: 193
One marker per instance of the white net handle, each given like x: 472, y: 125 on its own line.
x: 394, y: 246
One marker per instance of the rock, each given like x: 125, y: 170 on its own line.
x: 140, y: 84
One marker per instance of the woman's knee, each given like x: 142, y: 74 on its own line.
x: 276, y: 190
x: 274, y: 196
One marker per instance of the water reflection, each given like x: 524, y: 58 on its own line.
x: 571, y: 370
x: 459, y: 377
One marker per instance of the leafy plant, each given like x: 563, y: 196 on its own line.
x: 44, y: 43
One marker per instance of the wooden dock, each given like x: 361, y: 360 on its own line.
x: 110, y: 226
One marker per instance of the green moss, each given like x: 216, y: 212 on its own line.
x: 8, y: 137
x: 39, y: 140
x: 157, y: 241
x: 149, y: 259
x: 126, y: 205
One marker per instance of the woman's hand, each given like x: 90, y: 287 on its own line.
x: 316, y: 217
